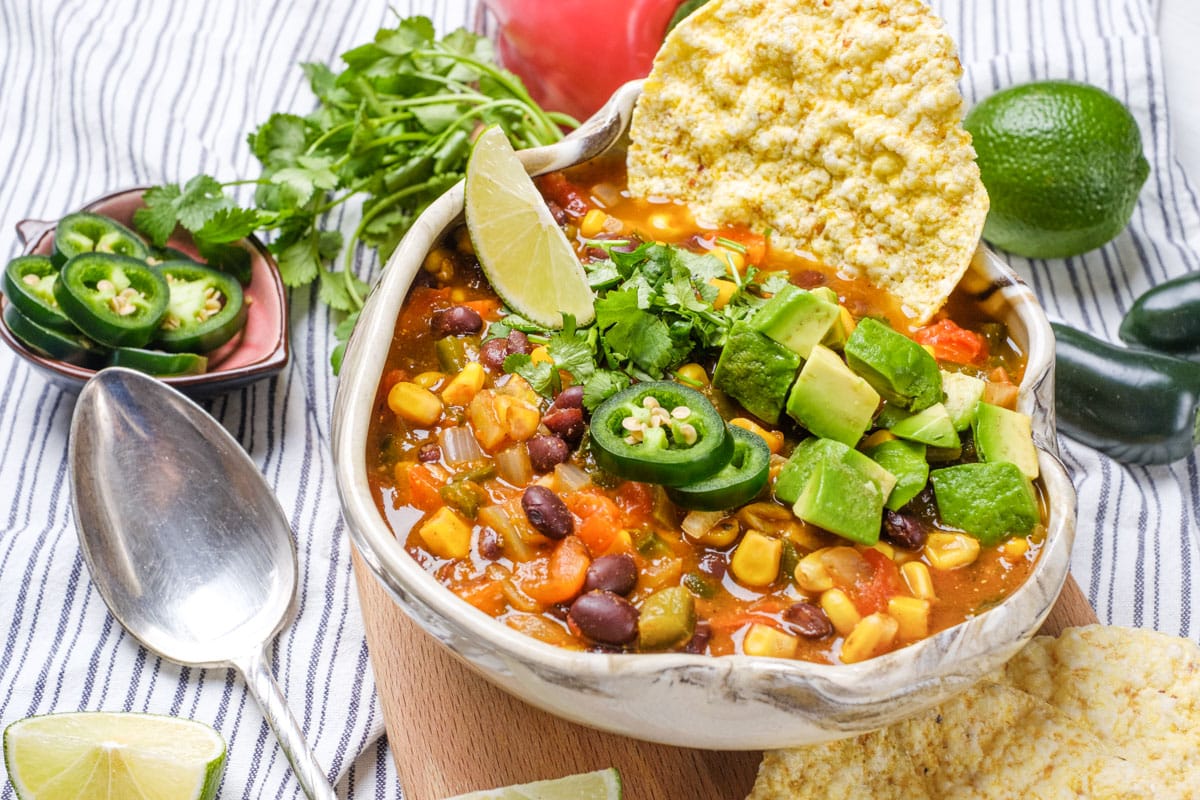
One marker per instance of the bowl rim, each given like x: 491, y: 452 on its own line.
x: 410, y: 584
x: 33, y: 231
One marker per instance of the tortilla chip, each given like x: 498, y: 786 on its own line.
x: 1136, y: 690
x: 835, y: 124
x: 992, y: 743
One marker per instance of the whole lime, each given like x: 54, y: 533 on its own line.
x: 1062, y: 163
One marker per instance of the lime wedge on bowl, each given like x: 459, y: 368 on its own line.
x: 603, y: 784
x: 522, y: 251
x: 123, y: 756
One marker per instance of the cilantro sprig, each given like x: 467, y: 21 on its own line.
x: 391, y: 130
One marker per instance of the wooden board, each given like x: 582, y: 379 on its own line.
x: 451, y: 731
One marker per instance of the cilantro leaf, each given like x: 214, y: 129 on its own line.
x: 572, y: 351
x: 541, y: 375
x: 229, y: 225
x: 634, y: 335
x: 333, y: 292
x: 159, y: 218
x: 602, y: 385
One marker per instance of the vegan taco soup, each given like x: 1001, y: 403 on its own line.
x: 745, y: 451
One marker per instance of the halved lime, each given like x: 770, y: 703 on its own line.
x: 603, y: 784
x: 522, y: 251
x: 122, y: 756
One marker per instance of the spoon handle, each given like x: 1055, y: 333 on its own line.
x: 266, y: 691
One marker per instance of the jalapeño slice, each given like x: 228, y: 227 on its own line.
x: 84, y: 232
x: 70, y: 348
x: 206, y: 308
x: 660, y: 432
x: 29, y: 285
x: 116, y: 300
x: 737, y: 483
x: 158, y: 363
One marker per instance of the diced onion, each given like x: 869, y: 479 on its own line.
x: 698, y: 523
x: 513, y: 465
x: 459, y: 445
x: 569, y: 477
x: 498, y: 519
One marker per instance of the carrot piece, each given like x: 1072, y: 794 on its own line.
x: 423, y: 488
x: 487, y: 307
x: 559, y: 578
x: 486, y: 595
x: 599, y: 519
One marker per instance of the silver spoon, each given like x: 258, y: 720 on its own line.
x: 185, y: 541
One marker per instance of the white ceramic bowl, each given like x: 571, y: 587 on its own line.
x: 731, y: 702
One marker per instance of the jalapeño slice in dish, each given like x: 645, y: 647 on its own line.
x: 29, y: 285
x: 735, y: 484
x: 206, y: 308
x: 660, y: 432
x: 51, y: 343
x: 84, y: 232
x: 116, y: 300
x: 157, y: 362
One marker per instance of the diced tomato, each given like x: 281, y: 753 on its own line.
x: 423, y: 488
x: 599, y: 519
x: 418, y: 311
x: 872, y: 595
x: 952, y: 343
x: 636, y: 500
x: 560, y: 577
x: 569, y: 197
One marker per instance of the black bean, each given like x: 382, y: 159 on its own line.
x: 698, y: 644
x: 489, y: 544
x: 546, y: 451
x: 570, y: 397
x: 903, y: 530
x: 566, y: 423
x: 492, y: 354
x: 605, y: 617
x: 556, y: 211
x: 614, y: 573
x: 429, y: 452
x: 547, y: 512
x: 712, y: 564
x: 457, y: 321
x: 808, y: 619
x: 518, y: 343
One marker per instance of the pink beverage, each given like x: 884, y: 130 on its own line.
x: 572, y: 54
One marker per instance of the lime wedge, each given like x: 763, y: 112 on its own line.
x: 522, y: 251
x: 603, y: 784
x: 123, y: 756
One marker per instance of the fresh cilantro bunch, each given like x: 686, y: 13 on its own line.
x: 654, y: 311
x: 393, y: 130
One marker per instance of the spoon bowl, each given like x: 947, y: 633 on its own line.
x: 184, y: 539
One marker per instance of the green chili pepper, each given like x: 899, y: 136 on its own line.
x: 29, y: 285
x: 1166, y: 318
x: 156, y: 362
x: 735, y: 484
x: 70, y: 348
x: 116, y: 300
x: 206, y: 308
x: 84, y: 232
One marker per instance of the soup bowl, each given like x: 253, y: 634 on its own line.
x: 726, y: 702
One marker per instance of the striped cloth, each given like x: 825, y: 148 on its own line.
x: 102, y: 95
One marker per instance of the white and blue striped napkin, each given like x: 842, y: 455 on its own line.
x: 95, y: 96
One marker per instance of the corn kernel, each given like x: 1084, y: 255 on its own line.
x: 763, y: 640
x: 446, y: 534
x: 692, y: 373
x: 465, y: 385
x: 917, y: 578
x: 951, y: 550
x: 811, y: 575
x: 457, y: 295
x: 621, y: 543
x: 774, y: 439
x: 886, y: 549
x: 872, y: 635
x: 429, y: 380
x: 912, y: 614
x: 725, y: 291
x: 414, y: 403
x: 436, y: 260
x: 840, y: 610
x: 592, y: 224
x: 877, y: 438
x: 722, y: 534
x: 541, y: 355
x: 755, y: 562
x: 1015, y: 547
x: 462, y: 240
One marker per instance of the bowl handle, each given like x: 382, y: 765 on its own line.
x: 30, y: 230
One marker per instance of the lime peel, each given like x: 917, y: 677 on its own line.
x: 603, y: 784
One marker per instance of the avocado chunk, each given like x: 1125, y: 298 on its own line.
x: 902, y: 371
x: 756, y: 371
x: 843, y: 500
x: 932, y: 426
x: 794, y: 475
x: 830, y: 400
x: 667, y: 619
x: 962, y: 393
x: 905, y: 460
x: 1004, y: 435
x: 796, y: 318
x: 990, y: 501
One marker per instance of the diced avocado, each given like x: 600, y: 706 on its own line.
x: 932, y: 426
x: 990, y: 501
x: 899, y: 368
x: 796, y: 318
x: 842, y: 500
x: 811, y: 453
x: 830, y: 400
x: 1004, y: 435
x: 756, y: 371
x: 840, y: 331
x: 962, y: 393
x: 826, y: 293
x: 667, y: 618
x: 905, y: 460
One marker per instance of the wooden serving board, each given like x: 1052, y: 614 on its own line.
x: 451, y: 731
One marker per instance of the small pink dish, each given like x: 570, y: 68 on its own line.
x: 260, y: 351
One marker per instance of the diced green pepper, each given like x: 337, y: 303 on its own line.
x: 667, y: 619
